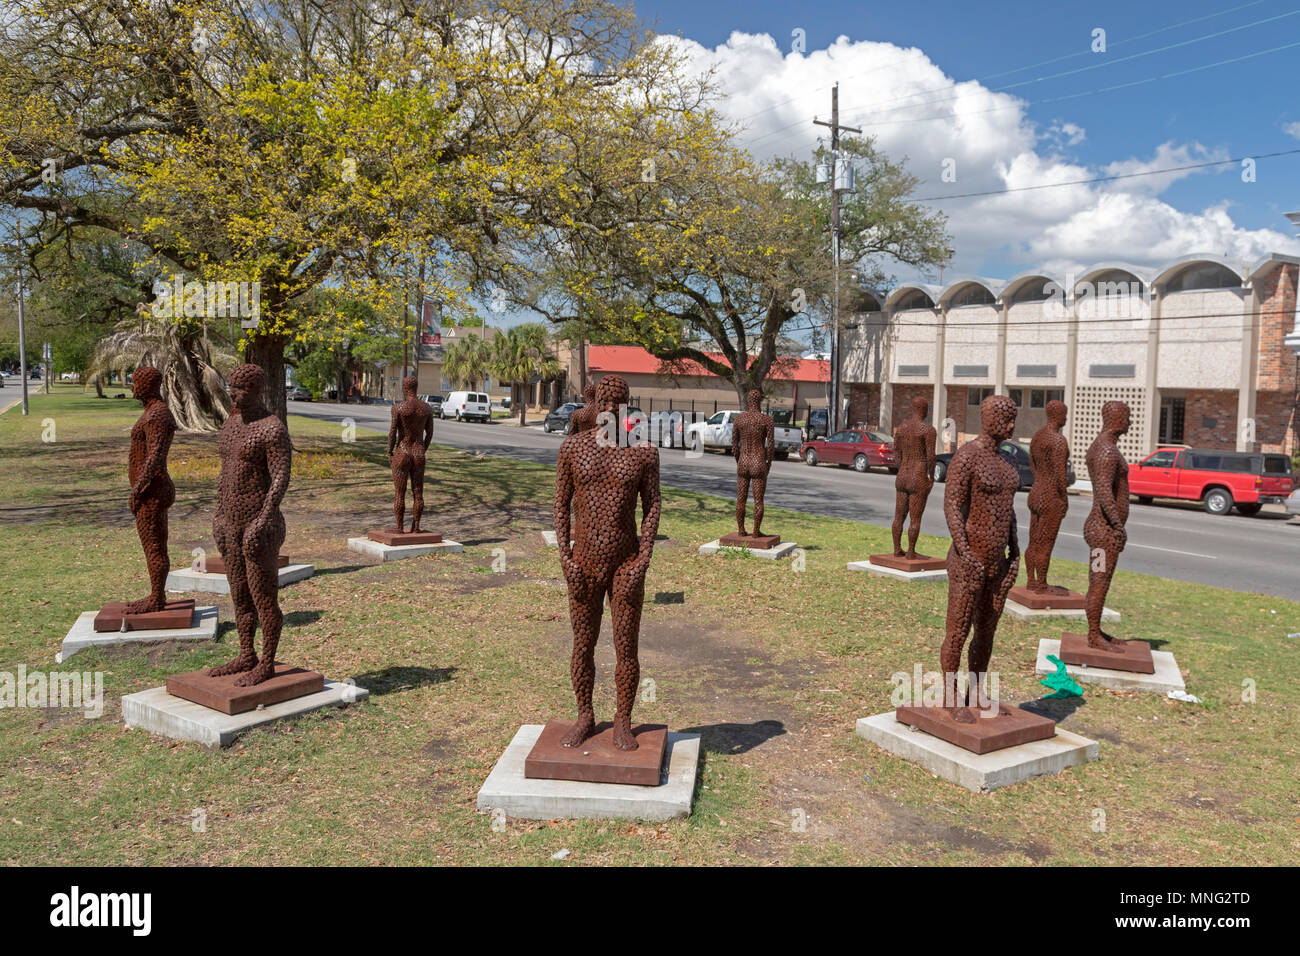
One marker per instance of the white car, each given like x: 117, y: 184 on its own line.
x: 466, y: 405
x: 1292, y: 502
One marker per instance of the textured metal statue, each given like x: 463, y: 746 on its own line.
x: 152, y: 491
x: 584, y: 418
x: 409, y: 435
x: 599, y: 481
x: 979, y: 505
x: 753, y: 443
x: 1048, y: 499
x: 915, y: 440
x: 1104, y: 528
x: 248, y: 526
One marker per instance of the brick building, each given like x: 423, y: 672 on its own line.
x: 1204, y: 350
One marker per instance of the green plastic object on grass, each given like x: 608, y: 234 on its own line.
x: 1061, y: 682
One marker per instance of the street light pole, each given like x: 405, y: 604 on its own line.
x: 22, y: 331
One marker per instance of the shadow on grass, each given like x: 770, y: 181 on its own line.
x: 392, y: 680
x: 1054, y: 708
x: 733, y: 739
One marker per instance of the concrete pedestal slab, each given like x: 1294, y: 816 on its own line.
x: 381, y: 553
x: 508, y: 791
x: 187, y: 579
x: 978, y: 772
x: 939, y: 574
x: 1167, y: 677
x: 771, y: 554
x: 160, y: 713
x: 203, y: 627
x: 1022, y: 613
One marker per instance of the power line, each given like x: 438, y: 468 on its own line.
x: 1106, y: 179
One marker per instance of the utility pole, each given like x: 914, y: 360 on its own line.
x: 833, y: 414
x: 22, y: 329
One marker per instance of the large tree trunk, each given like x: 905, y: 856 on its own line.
x: 268, y: 352
x: 523, y: 404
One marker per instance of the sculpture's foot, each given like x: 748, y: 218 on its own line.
x: 900, y: 553
x: 398, y: 530
x: 144, y: 606
x: 623, y: 738
x: 261, y: 672
x: 962, y: 715
x: 1104, y: 642
x: 583, y: 729
x: 415, y: 527
x: 1049, y: 589
x: 911, y: 554
x: 244, y: 662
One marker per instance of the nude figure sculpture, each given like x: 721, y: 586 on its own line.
x: 584, y: 418
x: 409, y: 435
x: 1048, y: 499
x: 915, y: 440
x: 599, y: 483
x: 979, y: 505
x: 248, y: 526
x: 1104, y: 528
x: 152, y: 491
x: 753, y: 443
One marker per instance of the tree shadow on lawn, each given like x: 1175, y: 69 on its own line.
x: 1054, y: 708
x: 393, y: 680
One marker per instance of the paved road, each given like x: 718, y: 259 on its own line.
x: 1172, y: 540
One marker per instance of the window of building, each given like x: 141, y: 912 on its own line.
x: 1172, y: 412
x: 1037, y: 290
x: 1205, y: 275
x: 1039, y: 397
x: 913, y: 299
x: 976, y: 395
x: 973, y: 294
x: 1017, y: 396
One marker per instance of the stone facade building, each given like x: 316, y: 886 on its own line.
x: 1204, y: 351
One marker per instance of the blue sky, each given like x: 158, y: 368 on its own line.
x: 1058, y: 127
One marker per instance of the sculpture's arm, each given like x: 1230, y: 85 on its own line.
x: 931, y: 455
x: 651, y: 502
x: 769, y: 439
x: 428, y: 429
x: 956, y: 503
x: 1103, y: 490
x: 159, y: 432
x: 735, y: 441
x: 563, y: 500
x: 392, y: 430
x: 1059, y: 456
x: 279, y: 460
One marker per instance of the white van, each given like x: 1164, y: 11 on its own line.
x: 465, y: 405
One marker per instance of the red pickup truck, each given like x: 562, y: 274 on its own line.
x: 1219, y: 479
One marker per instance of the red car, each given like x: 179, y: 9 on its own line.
x: 853, y: 446
x: 1219, y: 479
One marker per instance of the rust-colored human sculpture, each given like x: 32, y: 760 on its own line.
x: 584, y: 418
x: 979, y: 505
x: 248, y: 526
x: 753, y: 443
x: 915, y: 440
x: 152, y: 491
x: 409, y: 435
x: 1048, y: 499
x: 1104, y: 528
x: 600, y: 481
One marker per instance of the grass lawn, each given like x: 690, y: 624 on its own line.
x: 771, y: 664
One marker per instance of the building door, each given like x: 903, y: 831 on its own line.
x: 1172, y: 412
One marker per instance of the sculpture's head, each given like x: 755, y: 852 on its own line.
x: 920, y: 406
x: 146, y: 383
x: 409, y: 385
x: 753, y: 400
x: 589, y: 393
x: 998, y: 416
x: 1056, y: 412
x: 247, y: 383
x: 1115, y: 417
x: 611, y: 393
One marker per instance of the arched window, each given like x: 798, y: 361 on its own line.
x: 1204, y: 275
x: 973, y: 294
x: 1113, y: 283
x: 1038, y: 289
x: 913, y: 299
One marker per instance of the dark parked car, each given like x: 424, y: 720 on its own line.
x: 818, y: 424
x: 668, y: 427
x: 434, y: 402
x: 1016, y: 452
x: 298, y: 394
x: 558, y: 420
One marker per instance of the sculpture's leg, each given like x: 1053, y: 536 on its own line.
x: 981, y: 644
x: 1034, y: 580
x: 742, y: 498
x: 916, y: 507
x: 151, y: 524
x: 1050, y: 524
x: 242, y: 597
x: 417, y: 486
x: 900, y: 512
x: 260, y: 565
x: 962, y: 595
x: 400, y: 467
x: 759, y: 486
x: 626, y: 600
x: 586, y: 605
x: 1098, y: 587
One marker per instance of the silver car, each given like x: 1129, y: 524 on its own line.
x: 1293, y: 502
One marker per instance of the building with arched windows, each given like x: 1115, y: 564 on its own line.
x: 1204, y: 351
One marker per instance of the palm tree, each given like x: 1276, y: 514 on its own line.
x: 467, y: 362
x: 520, y: 355
x: 192, y: 383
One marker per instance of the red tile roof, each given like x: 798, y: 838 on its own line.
x: 633, y: 360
